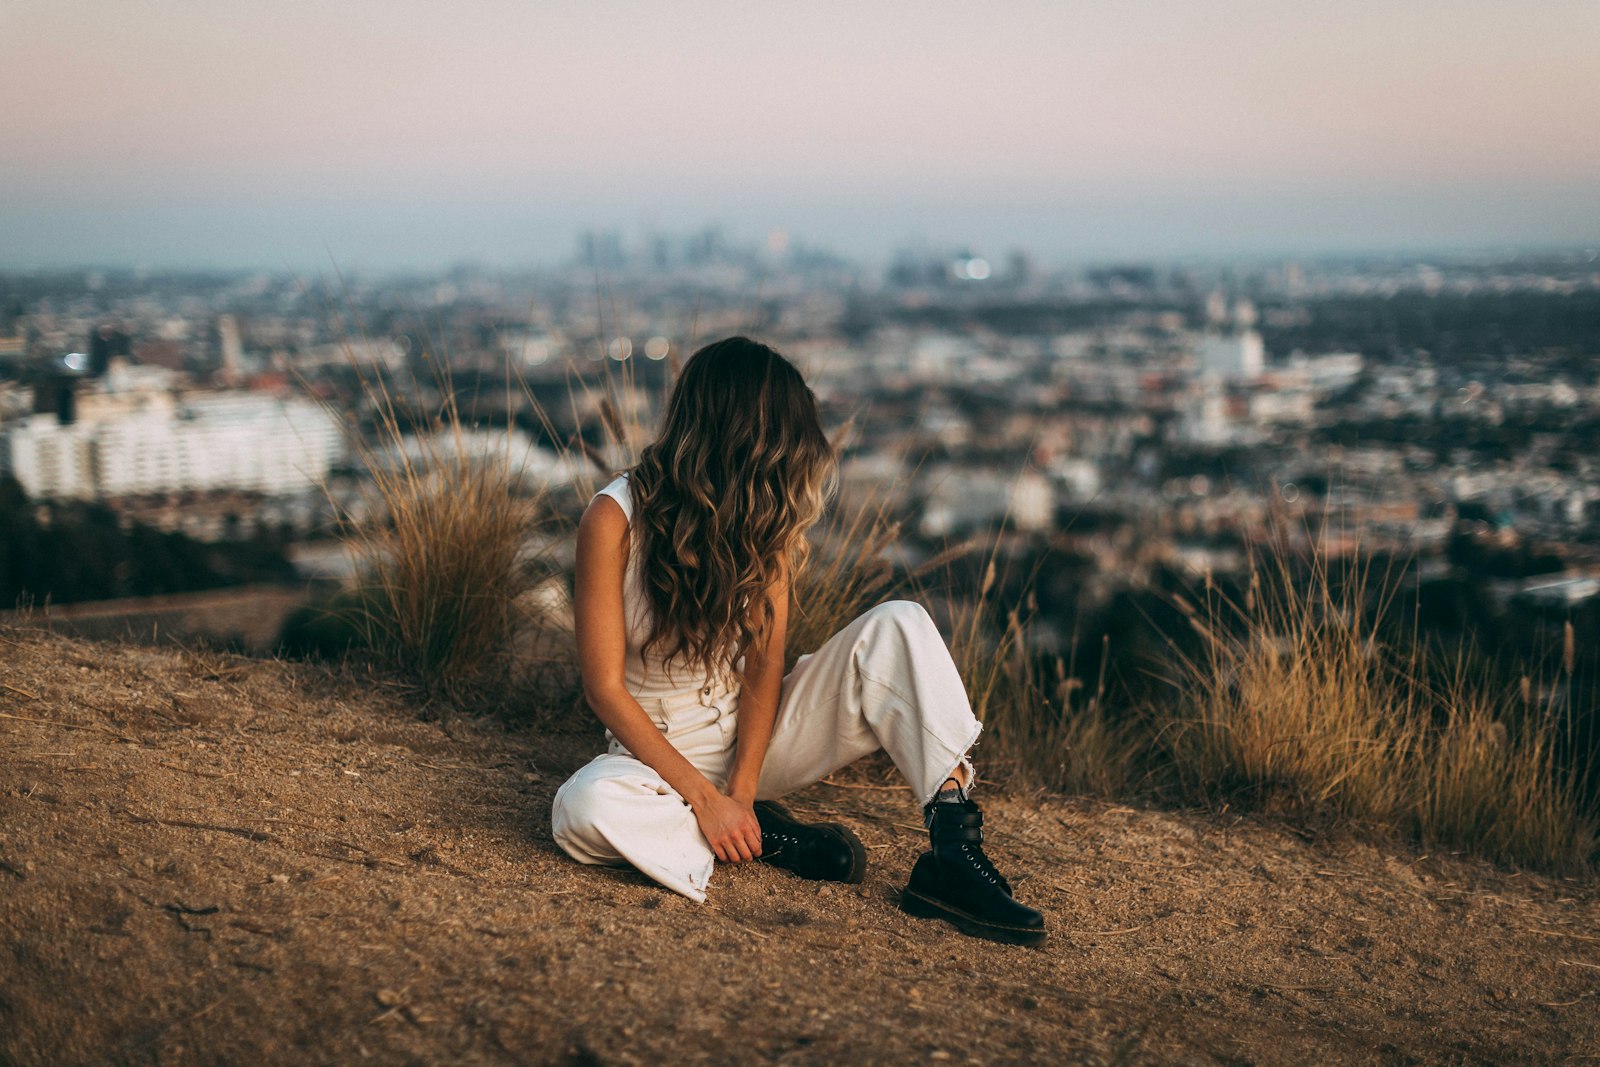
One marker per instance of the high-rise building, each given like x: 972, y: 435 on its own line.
x: 600, y: 249
x: 232, y: 349
x: 106, y: 343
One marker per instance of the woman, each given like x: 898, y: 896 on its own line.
x: 684, y: 571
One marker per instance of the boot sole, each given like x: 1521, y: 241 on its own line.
x: 858, y: 852
x: 914, y: 903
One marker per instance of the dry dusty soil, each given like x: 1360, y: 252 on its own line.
x: 208, y: 859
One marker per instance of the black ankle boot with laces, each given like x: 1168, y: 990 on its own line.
x: 956, y: 882
x: 824, y: 852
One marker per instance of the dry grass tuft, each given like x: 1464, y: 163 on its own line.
x: 1297, y: 704
x: 1092, y: 751
x: 442, y: 542
x: 1489, y: 781
x: 1293, y: 701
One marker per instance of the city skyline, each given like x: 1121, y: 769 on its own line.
x: 410, y: 135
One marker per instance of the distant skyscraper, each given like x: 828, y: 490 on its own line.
x: 1020, y: 269
x: 706, y: 246
x: 232, y: 349
x: 600, y: 249
x: 1294, y: 278
x: 55, y: 392
x: 661, y: 256
x: 104, y: 343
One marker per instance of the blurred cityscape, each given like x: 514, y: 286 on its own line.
x: 1121, y: 426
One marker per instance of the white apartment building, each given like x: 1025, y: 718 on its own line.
x: 960, y: 500
x: 209, y: 441
x: 50, y: 460
x: 533, y: 465
x: 1234, y: 355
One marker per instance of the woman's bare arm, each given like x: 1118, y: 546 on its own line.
x: 758, y: 698
x: 602, y: 553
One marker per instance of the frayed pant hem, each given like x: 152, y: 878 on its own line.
x: 963, y: 760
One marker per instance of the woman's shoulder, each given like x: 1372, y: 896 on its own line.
x: 605, y: 527
x: 618, y: 490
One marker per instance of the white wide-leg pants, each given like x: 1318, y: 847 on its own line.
x: 884, y: 681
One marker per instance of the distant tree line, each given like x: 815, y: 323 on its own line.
x: 1470, y: 332
x: 79, y: 551
x: 1578, y: 435
x: 1463, y: 330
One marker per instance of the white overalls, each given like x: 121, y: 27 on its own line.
x: 884, y: 681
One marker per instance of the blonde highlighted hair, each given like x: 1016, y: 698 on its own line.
x: 723, y: 499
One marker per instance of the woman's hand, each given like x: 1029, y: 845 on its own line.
x: 730, y: 826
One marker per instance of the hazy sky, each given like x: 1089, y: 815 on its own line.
x: 273, y: 132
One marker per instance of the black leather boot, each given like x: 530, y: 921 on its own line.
x: 956, y: 882
x: 824, y: 852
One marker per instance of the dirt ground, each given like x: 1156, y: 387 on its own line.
x: 211, y: 859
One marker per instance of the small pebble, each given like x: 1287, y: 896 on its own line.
x: 280, y: 879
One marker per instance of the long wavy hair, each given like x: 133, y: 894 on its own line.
x: 723, y: 498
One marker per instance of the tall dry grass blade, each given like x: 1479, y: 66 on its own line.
x: 941, y: 560
x: 613, y: 422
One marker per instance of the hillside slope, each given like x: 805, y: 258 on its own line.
x: 213, y: 859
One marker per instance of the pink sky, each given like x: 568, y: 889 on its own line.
x: 1475, y: 119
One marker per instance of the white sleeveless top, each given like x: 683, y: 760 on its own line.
x: 673, y: 682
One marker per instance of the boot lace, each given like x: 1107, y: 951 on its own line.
x: 971, y: 851
x: 775, y: 844
x: 975, y: 856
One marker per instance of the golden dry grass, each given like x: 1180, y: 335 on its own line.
x: 1488, y: 780
x: 442, y: 541
x: 1297, y: 704
x: 1292, y: 697
x: 443, y: 571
